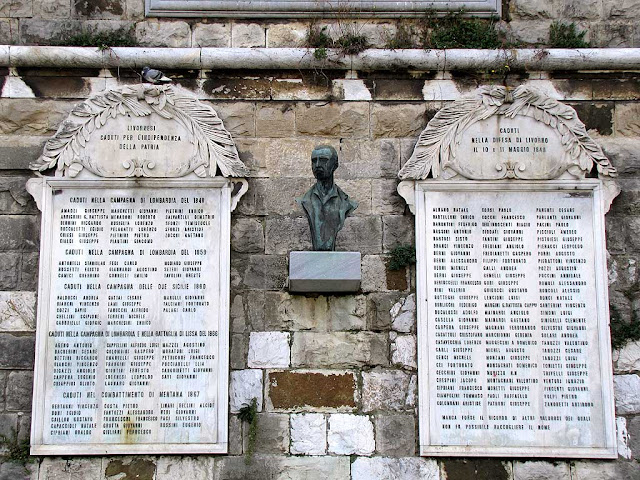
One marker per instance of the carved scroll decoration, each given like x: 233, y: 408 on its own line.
x: 435, y: 152
x: 213, y: 146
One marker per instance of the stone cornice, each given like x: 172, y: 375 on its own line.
x: 591, y: 59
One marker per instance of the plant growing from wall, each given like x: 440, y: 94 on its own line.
x: 456, y: 31
x: 102, y: 40
x: 623, y: 332
x: 17, y: 448
x: 401, y: 256
x: 566, y: 35
x: 249, y: 414
x: 402, y: 37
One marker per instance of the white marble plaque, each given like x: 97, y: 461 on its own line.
x: 132, y: 337
x: 513, y: 319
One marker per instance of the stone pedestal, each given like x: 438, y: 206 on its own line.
x: 324, y: 272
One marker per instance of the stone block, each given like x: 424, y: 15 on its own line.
x: 347, y: 313
x: 284, y: 234
x: 152, y: 33
x: 19, y: 391
x: 28, y: 271
x: 255, y: 309
x: 247, y: 235
x: 238, y: 117
x: 14, y: 198
x: 626, y: 9
x: 184, y: 468
x: 34, y: 31
x: 403, y: 314
x: 475, y: 469
x: 535, y: 9
x: 349, y: 119
x: 212, y: 35
x: 627, y: 358
x: 633, y: 428
x: 372, y: 159
x: 324, y: 271
x: 624, y: 154
x: 379, y: 306
x: 585, y: 10
x: 350, y: 434
x: 404, y: 351
x: 75, y: 468
x: 385, y: 199
x: 374, y: 273
x: 15, y: 471
x: 19, y: 232
x: 596, y: 116
x: 290, y: 34
x: 235, y: 436
x: 245, y: 385
x: 386, y: 390
x: 125, y: 468
x: 16, y: 351
x: 266, y: 272
x: 32, y: 117
x: 272, y: 434
x: 9, y: 270
x: 134, y: 9
x: 239, y: 352
x: 397, y: 230
x: 108, y: 9
x: 626, y: 390
x: 614, y: 33
x: 622, y: 437
x: 248, y: 35
x: 398, y: 120
x: 599, y: 470
x: 627, y: 119
x: 237, y: 88
x: 275, y: 121
x: 16, y: 8
x: 269, y: 350
x: 530, y: 31
x: 17, y: 311
x: 537, y: 470
x: 52, y: 9
x: 339, y: 349
x: 18, y: 151
x: 9, y: 32
x: 278, y: 467
x: 361, y: 234
x: 395, y: 435
x: 8, y: 424
x: 406, y: 468
x: 324, y: 390
x: 308, y: 434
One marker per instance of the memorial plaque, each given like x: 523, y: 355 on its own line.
x: 514, y: 346
x: 133, y: 312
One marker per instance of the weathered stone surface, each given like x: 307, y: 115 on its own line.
x: 8, y: 424
x: 16, y: 351
x: 374, y: 273
x: 76, y: 468
x: 9, y: 270
x: 212, y: 35
x: 627, y: 119
x: 49, y: 9
x: 247, y: 35
x: 34, y: 31
x: 308, y: 434
x: 395, y: 435
x: 530, y: 31
x: 17, y: 311
x: 19, y: 232
x: 626, y: 9
x: 594, y: 470
x: 627, y: 358
x: 585, y: 10
x: 350, y: 434
x: 235, y: 435
x: 624, y: 154
x: 28, y: 271
x: 247, y: 235
x: 626, y: 390
x: 19, y: 391
x: 533, y: 9
x: 537, y: 470
x: 111, y: 9
x: 184, y: 468
x: 633, y: 428
x: 272, y: 434
x: 612, y: 33
x: 474, y: 469
x: 339, y: 349
x: 32, y: 117
x: 290, y: 34
x: 134, y: 9
x: 9, y: 31
x: 277, y: 467
x: 622, y: 436
x: 395, y: 468
x: 360, y: 234
x: 15, y: 471
x: 379, y: 305
x: 269, y: 350
x: 385, y: 199
x: 16, y: 8
x: 266, y: 272
x: 403, y: 351
x: 403, y: 314
x: 130, y: 468
x: 239, y: 352
x: 245, y: 385
x: 152, y: 33
x: 17, y: 151
x: 238, y: 117
x: 237, y: 87
x: 398, y: 120
x: 286, y: 234
x: 349, y: 119
x: 385, y: 390
x: 275, y: 120
x: 14, y: 198
x: 292, y: 390
x: 370, y: 159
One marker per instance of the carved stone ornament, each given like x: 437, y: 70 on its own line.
x: 158, y: 116
x: 474, y: 138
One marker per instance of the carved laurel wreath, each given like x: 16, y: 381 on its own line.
x: 437, y: 143
x: 213, y: 144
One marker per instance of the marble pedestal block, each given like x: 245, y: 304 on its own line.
x: 324, y: 272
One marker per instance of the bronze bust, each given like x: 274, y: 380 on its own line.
x: 325, y: 204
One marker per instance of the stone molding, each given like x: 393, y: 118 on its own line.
x: 303, y: 58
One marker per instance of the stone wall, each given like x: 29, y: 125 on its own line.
x: 608, y: 23
x: 334, y: 376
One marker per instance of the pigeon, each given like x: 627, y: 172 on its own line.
x: 154, y: 76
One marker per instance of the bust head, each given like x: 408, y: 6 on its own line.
x: 324, y: 161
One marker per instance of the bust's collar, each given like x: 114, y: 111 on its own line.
x: 333, y: 192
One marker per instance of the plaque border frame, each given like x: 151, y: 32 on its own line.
x: 49, y: 184
x: 609, y: 451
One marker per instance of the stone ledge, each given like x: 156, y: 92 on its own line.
x: 302, y: 58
